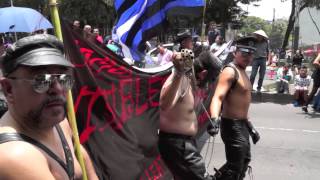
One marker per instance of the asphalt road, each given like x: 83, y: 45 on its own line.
x: 289, y: 148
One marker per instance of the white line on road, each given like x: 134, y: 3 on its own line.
x: 287, y: 129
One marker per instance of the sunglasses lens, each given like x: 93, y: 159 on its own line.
x: 66, y: 81
x: 42, y: 82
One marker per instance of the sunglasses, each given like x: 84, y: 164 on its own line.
x: 42, y: 82
x: 247, y: 53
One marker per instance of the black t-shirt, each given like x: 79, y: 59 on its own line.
x: 297, y: 59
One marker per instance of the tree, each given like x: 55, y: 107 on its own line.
x: 292, y: 18
x: 275, y: 30
x: 39, y: 5
x: 252, y: 23
x: 98, y: 13
x: 226, y: 11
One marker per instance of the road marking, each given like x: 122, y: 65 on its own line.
x: 288, y: 129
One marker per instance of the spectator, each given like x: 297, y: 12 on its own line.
x: 97, y: 35
x: 274, y: 59
x: 260, y: 57
x: 164, y: 56
x: 217, y: 44
x: 213, y: 32
x: 76, y: 24
x: 301, y: 85
x: 297, y: 59
x: 284, y: 75
x: 2, y: 48
x: 88, y: 35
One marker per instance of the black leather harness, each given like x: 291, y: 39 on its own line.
x: 68, y: 166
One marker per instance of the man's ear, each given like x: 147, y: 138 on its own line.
x: 6, y: 87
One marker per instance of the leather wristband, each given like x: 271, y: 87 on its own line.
x: 178, y: 73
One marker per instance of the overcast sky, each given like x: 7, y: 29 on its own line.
x: 265, y: 10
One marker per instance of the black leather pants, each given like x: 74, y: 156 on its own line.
x: 182, y: 157
x: 235, y: 136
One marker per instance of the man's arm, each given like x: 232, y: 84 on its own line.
x: 91, y: 173
x: 171, y: 91
x: 172, y: 88
x: 20, y: 160
x: 87, y: 161
x: 225, y: 81
x: 316, y: 62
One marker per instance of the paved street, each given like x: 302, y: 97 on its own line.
x: 289, y: 148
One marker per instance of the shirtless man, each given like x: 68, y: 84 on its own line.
x: 35, y: 137
x: 178, y: 121
x: 233, y: 93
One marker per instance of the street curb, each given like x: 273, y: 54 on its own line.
x: 262, y: 97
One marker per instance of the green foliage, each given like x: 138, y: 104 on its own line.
x: 252, y: 23
x: 275, y: 30
x: 225, y: 11
x: 97, y: 13
x: 39, y: 5
x: 277, y: 33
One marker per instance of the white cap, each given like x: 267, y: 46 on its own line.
x: 261, y: 33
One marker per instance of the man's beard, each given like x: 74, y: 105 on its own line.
x: 35, y: 117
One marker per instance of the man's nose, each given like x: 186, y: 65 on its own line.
x: 56, y: 87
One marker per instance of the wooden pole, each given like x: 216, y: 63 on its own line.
x: 70, y: 108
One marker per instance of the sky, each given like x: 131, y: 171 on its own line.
x: 265, y: 10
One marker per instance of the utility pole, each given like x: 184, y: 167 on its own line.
x: 273, y: 19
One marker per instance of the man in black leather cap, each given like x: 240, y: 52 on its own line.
x: 185, y: 40
x: 35, y: 137
x: 232, y: 100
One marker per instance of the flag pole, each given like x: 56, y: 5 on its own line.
x: 70, y: 108
x: 203, y: 29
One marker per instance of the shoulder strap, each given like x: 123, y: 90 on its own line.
x: 236, y: 74
x: 67, y: 153
x: 7, y: 137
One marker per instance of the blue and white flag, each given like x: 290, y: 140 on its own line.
x: 141, y: 20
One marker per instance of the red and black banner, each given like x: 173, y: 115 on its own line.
x: 117, y: 111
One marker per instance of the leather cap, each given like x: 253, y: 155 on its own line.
x: 36, y: 50
x: 183, y: 35
x: 246, y: 44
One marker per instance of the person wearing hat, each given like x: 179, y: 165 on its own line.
x: 229, y: 110
x: 185, y: 40
x: 261, y: 55
x: 35, y: 137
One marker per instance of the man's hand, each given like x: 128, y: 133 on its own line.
x: 183, y: 61
x: 214, y: 126
x: 178, y: 62
x: 253, y: 133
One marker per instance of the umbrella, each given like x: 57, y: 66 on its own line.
x: 20, y: 19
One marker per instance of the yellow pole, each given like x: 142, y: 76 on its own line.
x: 203, y: 29
x: 71, y: 115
